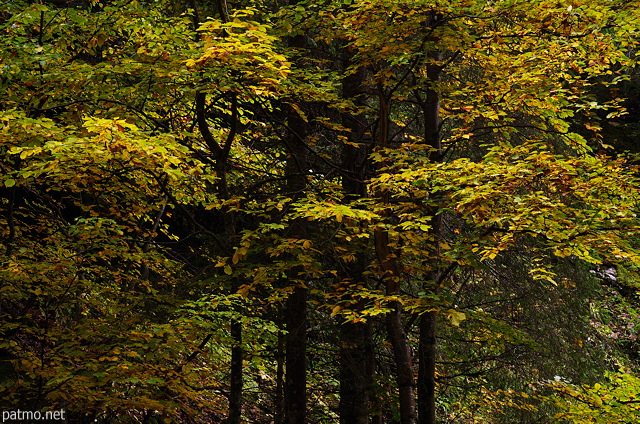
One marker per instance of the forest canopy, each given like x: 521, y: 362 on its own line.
x: 339, y: 211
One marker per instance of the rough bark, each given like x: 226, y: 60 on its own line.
x: 355, y: 379
x: 295, y: 357
x: 404, y: 365
x: 427, y: 369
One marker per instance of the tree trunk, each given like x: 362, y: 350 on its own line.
x: 427, y: 369
x: 235, y: 392
x: 404, y: 365
x: 427, y: 327
x: 391, y: 274
x: 356, y: 371
x: 278, y: 413
x: 295, y: 396
x: 370, y: 358
x: 354, y: 378
x: 295, y: 361
x: 220, y: 152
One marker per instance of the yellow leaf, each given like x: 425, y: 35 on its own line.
x: 456, y: 317
x: 300, y: 112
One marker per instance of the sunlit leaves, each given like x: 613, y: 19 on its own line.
x: 612, y: 402
x: 241, y: 54
x: 574, y: 205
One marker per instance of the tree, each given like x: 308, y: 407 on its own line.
x: 391, y: 184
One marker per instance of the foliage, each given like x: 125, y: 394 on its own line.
x: 615, y: 401
x: 171, y: 177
